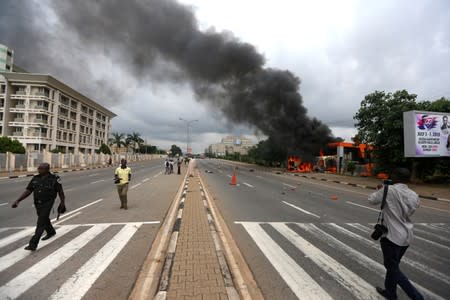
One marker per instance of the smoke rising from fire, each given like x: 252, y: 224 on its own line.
x: 160, y: 39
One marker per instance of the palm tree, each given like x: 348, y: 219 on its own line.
x: 134, y: 138
x: 117, y: 139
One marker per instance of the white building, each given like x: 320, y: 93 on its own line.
x: 6, y: 59
x: 230, y: 145
x: 44, y: 113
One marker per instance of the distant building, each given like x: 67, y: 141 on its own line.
x: 230, y: 145
x: 6, y: 59
x: 43, y: 113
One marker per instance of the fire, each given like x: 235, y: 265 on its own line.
x: 295, y: 165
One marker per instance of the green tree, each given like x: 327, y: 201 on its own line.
x: 149, y: 149
x: 117, y: 139
x: 174, y: 150
x: 104, y: 149
x: 9, y: 145
x: 134, y: 140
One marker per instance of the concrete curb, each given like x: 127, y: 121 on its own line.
x: 369, y: 187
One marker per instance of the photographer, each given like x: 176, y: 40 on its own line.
x: 401, y: 203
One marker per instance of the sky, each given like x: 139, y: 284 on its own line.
x: 340, y: 51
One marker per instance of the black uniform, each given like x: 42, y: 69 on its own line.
x: 45, y: 189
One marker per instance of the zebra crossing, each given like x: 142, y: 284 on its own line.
x: 316, y: 259
x: 108, y: 238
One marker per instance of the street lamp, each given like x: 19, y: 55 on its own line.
x: 188, y: 124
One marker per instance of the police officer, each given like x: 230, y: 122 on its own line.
x: 45, y: 187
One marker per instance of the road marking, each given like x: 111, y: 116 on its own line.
x: 372, y: 244
x: 429, y: 207
x: 436, y: 236
x: 68, y: 218
x: 93, y: 174
x: 249, y: 185
x: 259, y: 176
x: 300, y: 209
x: 346, y: 278
x: 3, y: 204
x: 355, y: 255
x: 15, y: 237
x: 352, y: 203
x: 9, y: 259
x: 300, y: 282
x: 288, y: 185
x: 80, y: 282
x: 78, y: 209
x: 229, y: 176
x: 20, y: 284
x: 135, y: 186
x: 146, y: 179
x: 101, y: 180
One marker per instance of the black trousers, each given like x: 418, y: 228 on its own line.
x: 392, y: 254
x: 43, y: 222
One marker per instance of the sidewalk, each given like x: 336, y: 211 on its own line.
x: 196, y: 271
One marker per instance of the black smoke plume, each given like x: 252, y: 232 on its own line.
x: 223, y: 71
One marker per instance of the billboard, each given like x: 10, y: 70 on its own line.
x: 426, y: 134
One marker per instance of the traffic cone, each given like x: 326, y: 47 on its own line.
x: 233, y: 179
x: 334, y: 197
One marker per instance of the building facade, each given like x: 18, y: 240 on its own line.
x: 6, y: 59
x: 230, y: 145
x: 44, y: 113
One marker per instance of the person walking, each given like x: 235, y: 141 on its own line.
x: 45, y: 187
x: 179, y: 166
x: 401, y: 203
x: 122, y: 177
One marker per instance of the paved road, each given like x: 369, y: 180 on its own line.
x: 99, y: 248
x: 301, y: 243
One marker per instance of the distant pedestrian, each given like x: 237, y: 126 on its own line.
x: 167, y: 166
x: 122, y: 177
x: 401, y: 203
x: 171, y: 166
x: 179, y: 167
x: 110, y: 161
x: 45, y: 187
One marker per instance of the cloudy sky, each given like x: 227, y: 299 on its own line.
x: 340, y: 50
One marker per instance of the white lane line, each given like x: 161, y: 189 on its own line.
x: 369, y: 243
x: 355, y: 255
x: 438, y: 209
x: 20, y: 284
x: 16, y: 236
x: 97, y: 181
x: 355, y: 204
x: 300, y: 282
x: 3, y: 204
x: 346, y: 278
x: 68, y: 218
x: 160, y: 173
x: 430, y: 234
x: 80, y: 282
x: 288, y: 185
x: 78, y: 209
x: 300, y: 209
x: 93, y: 174
x: 258, y: 176
x: 10, y: 259
x: 247, y: 184
x: 135, y: 186
x: 146, y: 179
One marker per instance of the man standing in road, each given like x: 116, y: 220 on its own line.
x: 45, y: 187
x: 122, y: 177
x: 401, y: 203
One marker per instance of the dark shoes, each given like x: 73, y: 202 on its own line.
x: 30, y: 248
x: 48, y: 236
x: 383, y: 293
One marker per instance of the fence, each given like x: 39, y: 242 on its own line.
x: 10, y: 162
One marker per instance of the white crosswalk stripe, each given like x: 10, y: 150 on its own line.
x: 76, y: 286
x: 346, y: 275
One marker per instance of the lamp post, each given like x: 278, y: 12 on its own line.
x: 188, y: 124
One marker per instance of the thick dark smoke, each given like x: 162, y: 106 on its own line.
x: 223, y: 71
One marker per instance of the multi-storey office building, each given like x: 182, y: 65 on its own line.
x: 6, y: 59
x: 231, y: 144
x: 44, y: 113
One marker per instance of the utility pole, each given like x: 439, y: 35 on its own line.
x: 188, y: 124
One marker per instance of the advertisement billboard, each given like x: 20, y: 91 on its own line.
x: 426, y: 134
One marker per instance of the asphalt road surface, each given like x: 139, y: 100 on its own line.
x: 98, y: 250
x: 306, y: 239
